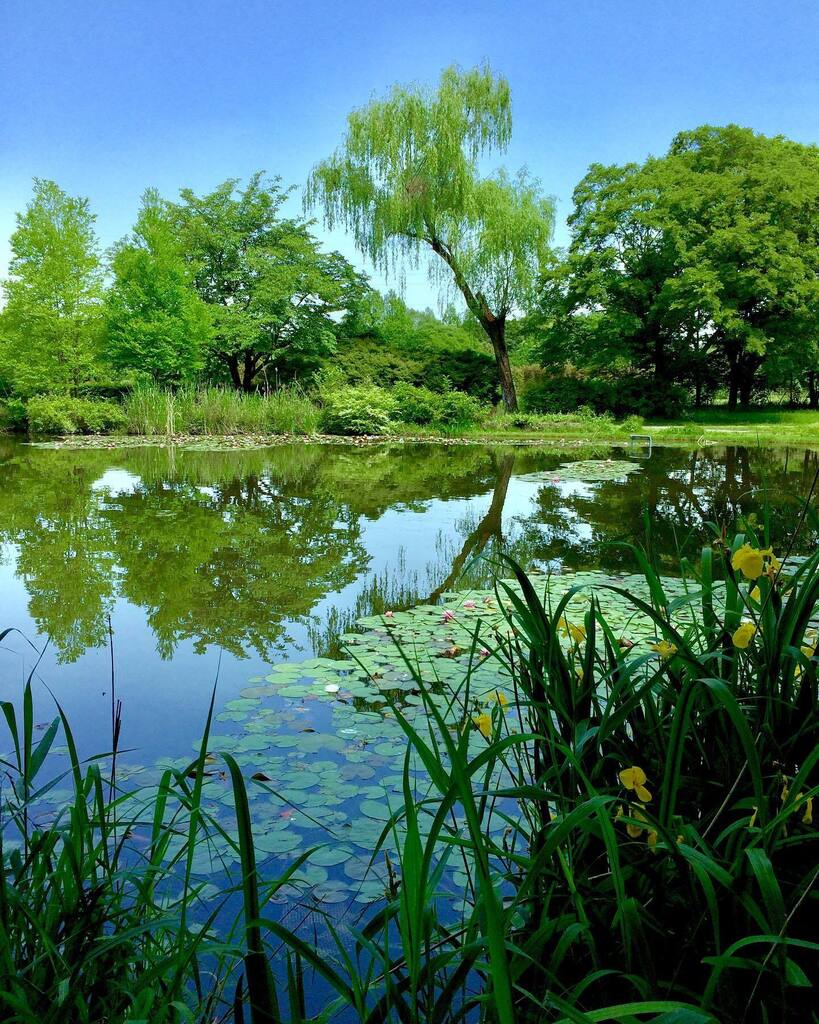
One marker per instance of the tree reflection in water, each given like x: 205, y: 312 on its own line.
x: 226, y: 549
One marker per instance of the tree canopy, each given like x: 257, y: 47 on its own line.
x: 702, y: 265
x: 406, y: 179
x: 157, y: 325
x: 273, y: 292
x: 50, y: 326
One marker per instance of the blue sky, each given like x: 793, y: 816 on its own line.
x: 111, y: 96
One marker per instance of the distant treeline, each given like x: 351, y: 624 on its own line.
x: 690, y: 278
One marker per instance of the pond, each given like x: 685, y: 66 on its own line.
x: 284, y: 575
x: 212, y: 566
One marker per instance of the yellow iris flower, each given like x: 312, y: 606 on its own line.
x: 751, y: 561
x: 635, y: 831
x: 577, y: 633
x: 665, y: 649
x: 484, y: 724
x: 634, y: 778
x: 743, y: 635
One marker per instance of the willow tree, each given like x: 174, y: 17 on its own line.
x: 405, y: 180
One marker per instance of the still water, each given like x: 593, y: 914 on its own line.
x: 213, y: 565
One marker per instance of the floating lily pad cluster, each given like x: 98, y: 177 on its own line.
x: 585, y: 470
x: 322, y: 748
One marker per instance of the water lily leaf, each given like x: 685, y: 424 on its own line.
x: 331, y: 856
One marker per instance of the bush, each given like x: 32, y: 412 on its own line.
x: 13, y: 414
x: 424, y: 363
x: 623, y: 394
x: 415, y: 404
x: 452, y: 409
x: 457, y: 409
x: 60, y: 414
x: 358, y: 411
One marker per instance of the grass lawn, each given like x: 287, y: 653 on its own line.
x: 709, y: 426
x: 756, y: 426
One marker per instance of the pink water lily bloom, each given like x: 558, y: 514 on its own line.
x: 388, y: 615
x: 469, y: 604
x: 484, y: 653
x: 448, y: 615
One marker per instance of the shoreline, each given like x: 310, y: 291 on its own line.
x: 662, y: 435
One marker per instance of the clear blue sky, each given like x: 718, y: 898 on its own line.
x: 110, y: 96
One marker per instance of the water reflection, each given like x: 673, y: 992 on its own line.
x: 230, y: 549
x: 669, y: 505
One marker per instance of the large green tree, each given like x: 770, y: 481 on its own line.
x: 157, y: 325
x: 703, y: 264
x: 274, y: 294
x: 406, y: 180
x: 50, y: 326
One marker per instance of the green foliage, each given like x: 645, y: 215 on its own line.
x: 700, y: 265
x: 60, y: 414
x: 150, y: 410
x: 405, y: 180
x: 385, y: 342
x: 157, y: 326
x: 457, y: 410
x: 271, y: 289
x: 13, y: 414
x: 697, y: 780
x: 624, y: 393
x: 89, y: 931
x: 451, y: 409
x: 363, y: 410
x: 50, y: 326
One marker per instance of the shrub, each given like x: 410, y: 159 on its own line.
x: 623, y: 394
x: 60, y: 414
x: 415, y: 404
x: 449, y: 408
x: 457, y: 409
x: 437, y: 365
x: 13, y: 414
x: 358, y: 411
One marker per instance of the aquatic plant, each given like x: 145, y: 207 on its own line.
x: 601, y: 808
x: 150, y: 410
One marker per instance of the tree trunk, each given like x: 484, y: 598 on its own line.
x: 496, y: 332
x: 813, y: 391
x: 494, y: 326
x: 733, y: 384
x: 233, y: 366
x: 746, y: 383
x: 249, y: 374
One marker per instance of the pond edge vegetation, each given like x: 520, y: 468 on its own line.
x: 661, y: 865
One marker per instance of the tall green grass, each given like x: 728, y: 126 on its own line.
x: 639, y: 843
x: 151, y: 410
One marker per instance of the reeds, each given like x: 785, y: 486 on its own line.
x: 151, y: 410
x: 639, y: 842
